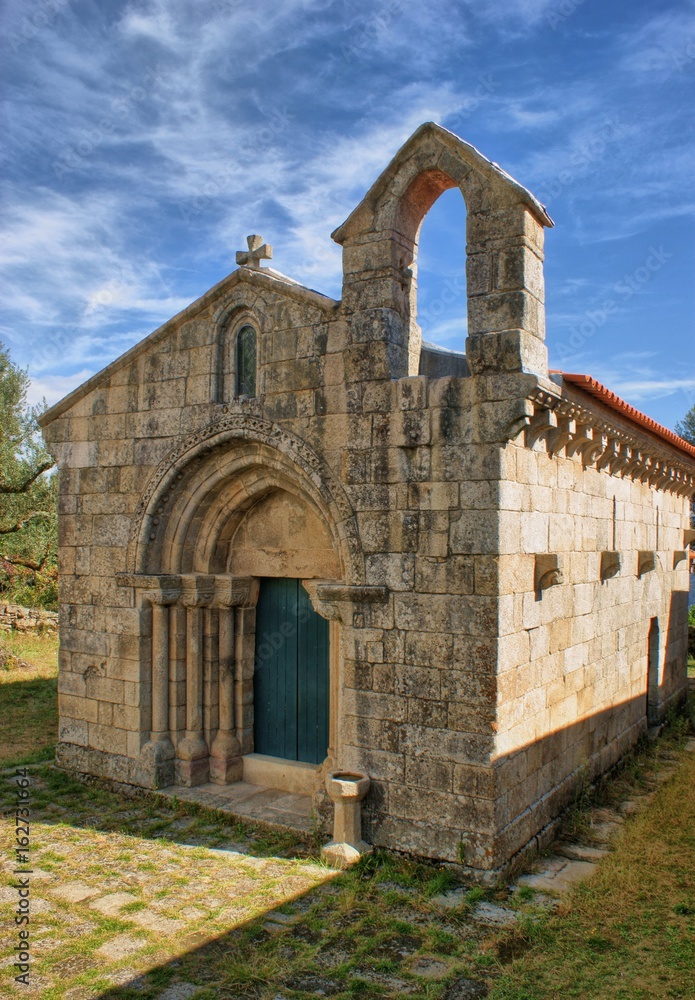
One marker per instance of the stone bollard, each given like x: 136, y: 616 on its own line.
x: 347, y: 789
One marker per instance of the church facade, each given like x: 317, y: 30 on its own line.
x: 294, y: 537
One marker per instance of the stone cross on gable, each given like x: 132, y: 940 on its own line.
x: 257, y: 251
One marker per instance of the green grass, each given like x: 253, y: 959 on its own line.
x: 628, y: 933
x: 29, y: 700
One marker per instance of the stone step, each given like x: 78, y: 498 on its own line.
x: 580, y: 852
x: 255, y: 803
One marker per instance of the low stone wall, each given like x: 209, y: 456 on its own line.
x: 14, y: 617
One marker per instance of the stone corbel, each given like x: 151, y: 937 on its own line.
x: 634, y: 462
x: 609, y: 456
x: 688, y: 536
x: 646, y: 562
x: 583, y: 437
x: 679, y: 557
x: 338, y: 601
x: 620, y: 460
x: 659, y: 475
x: 595, y: 448
x: 548, y: 571
x: 645, y: 473
x: 543, y: 424
x: 688, y: 487
x: 519, y: 418
x: 610, y: 565
x: 562, y: 435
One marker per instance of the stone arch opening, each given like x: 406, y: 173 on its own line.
x: 411, y: 212
x: 231, y: 523
x: 246, y: 361
x: 439, y: 272
x: 238, y: 335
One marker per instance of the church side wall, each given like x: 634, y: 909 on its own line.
x: 573, y: 662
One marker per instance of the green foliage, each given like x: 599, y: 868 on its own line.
x: 686, y: 427
x: 28, y: 497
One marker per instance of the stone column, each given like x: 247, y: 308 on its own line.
x: 193, y: 764
x: 225, y: 754
x: 158, y: 752
x: 160, y: 673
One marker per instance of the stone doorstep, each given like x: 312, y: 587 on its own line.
x: 244, y: 801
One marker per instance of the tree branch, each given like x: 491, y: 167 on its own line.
x: 23, y: 487
x: 20, y: 524
x: 28, y: 563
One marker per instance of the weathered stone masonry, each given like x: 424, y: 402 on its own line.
x: 499, y: 552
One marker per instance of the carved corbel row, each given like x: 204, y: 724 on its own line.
x: 571, y: 427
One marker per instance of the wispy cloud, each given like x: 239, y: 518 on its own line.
x: 145, y: 139
x: 51, y: 388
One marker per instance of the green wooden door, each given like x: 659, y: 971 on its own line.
x: 290, y: 688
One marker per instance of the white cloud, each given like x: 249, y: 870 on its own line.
x: 651, y: 388
x: 662, y: 46
x: 53, y: 387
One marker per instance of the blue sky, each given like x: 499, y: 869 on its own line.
x: 145, y: 140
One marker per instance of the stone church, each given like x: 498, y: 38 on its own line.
x: 294, y: 537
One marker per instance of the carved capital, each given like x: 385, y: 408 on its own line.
x: 197, y: 590
x: 162, y: 598
x: 233, y: 592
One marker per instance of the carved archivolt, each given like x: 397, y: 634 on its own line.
x: 573, y: 429
x: 292, y: 458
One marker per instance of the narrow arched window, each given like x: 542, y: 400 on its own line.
x: 246, y: 362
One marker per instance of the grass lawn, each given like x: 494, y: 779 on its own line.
x: 628, y: 932
x: 28, y: 699
x: 132, y: 897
